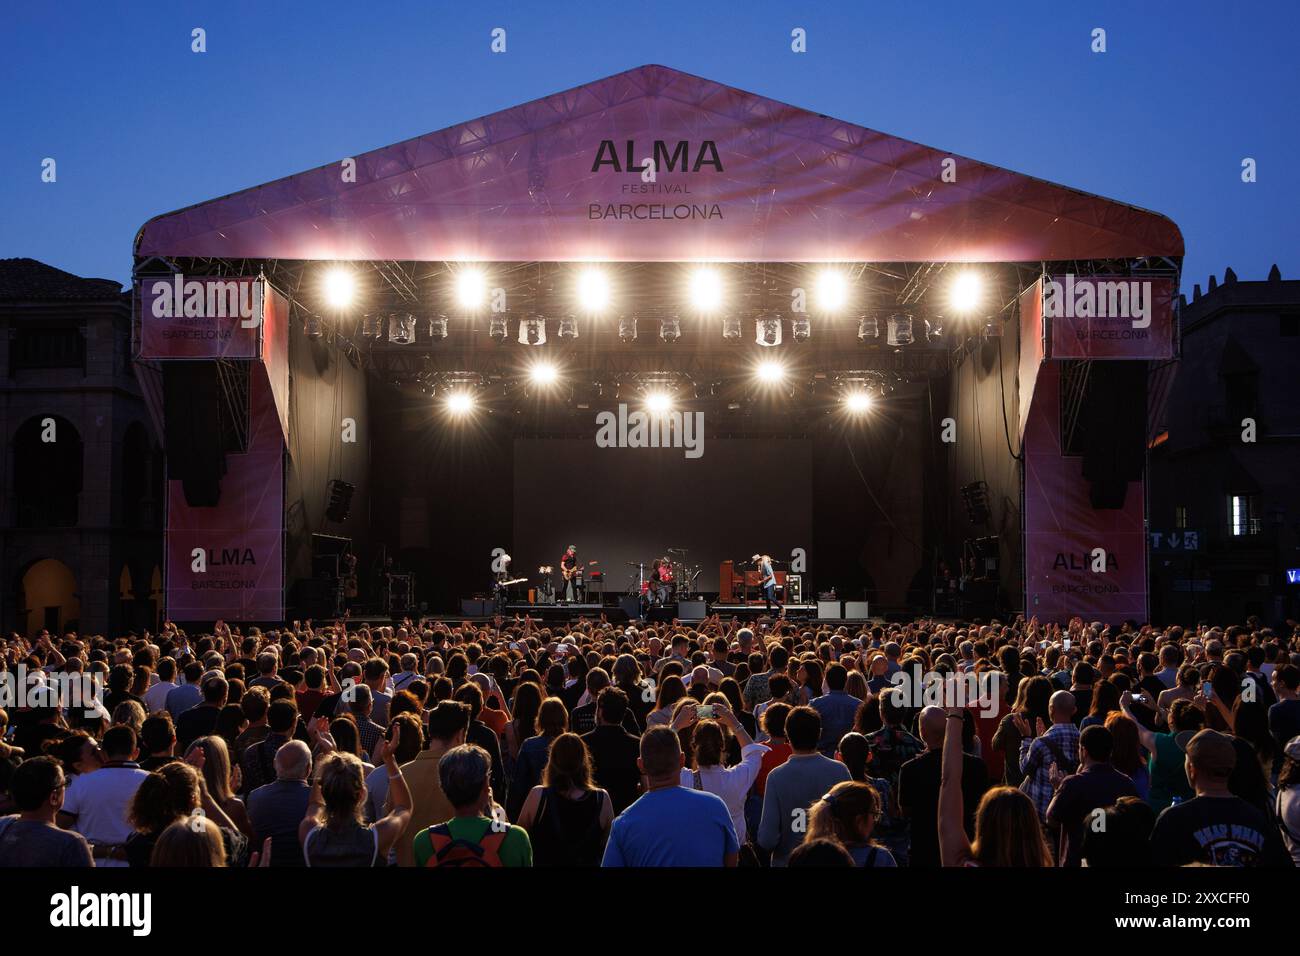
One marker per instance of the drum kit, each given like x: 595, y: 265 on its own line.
x: 674, y: 582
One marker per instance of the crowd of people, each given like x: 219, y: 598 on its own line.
x: 718, y: 743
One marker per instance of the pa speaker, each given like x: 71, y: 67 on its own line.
x: 692, y: 610
x: 192, y: 430
x: 340, y: 504
x: 1114, y: 419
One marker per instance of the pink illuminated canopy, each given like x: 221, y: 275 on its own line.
x: 737, y: 177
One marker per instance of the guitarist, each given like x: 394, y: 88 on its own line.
x: 767, y: 576
x: 571, y: 569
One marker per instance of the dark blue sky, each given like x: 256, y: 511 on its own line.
x: 139, y: 125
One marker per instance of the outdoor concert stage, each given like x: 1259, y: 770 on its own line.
x: 654, y: 317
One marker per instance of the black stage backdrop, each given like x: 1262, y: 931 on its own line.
x: 621, y: 506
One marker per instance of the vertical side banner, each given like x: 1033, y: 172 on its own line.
x: 238, y: 544
x: 1063, y: 532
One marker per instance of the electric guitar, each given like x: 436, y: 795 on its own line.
x: 576, y: 569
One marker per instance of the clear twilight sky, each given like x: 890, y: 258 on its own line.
x: 140, y: 125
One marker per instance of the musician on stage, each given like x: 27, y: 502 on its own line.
x: 661, y: 581
x: 571, y: 569
x: 767, y: 580
x: 499, y: 586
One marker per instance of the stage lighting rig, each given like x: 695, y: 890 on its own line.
x: 767, y: 331
x: 899, y: 330
x: 627, y: 328
x: 670, y: 330
x: 437, y: 328
x: 770, y: 372
x: 732, y: 329
x: 401, y: 329
x: 471, y: 288
x: 868, y: 328
x: 706, y: 291
x: 460, y: 402
x: 966, y: 293
x: 801, y: 328
x: 532, y: 331
x: 340, y: 287
x: 568, y: 328
x: 372, y: 326
x: 498, y: 329
x: 593, y: 290
x: 830, y: 290
x: 543, y: 373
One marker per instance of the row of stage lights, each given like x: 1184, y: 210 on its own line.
x: 831, y: 294
x: 856, y: 399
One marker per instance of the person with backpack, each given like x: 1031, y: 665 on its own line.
x: 567, y: 817
x: 478, y: 834
x: 1052, y: 754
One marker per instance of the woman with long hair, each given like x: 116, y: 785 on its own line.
x: 1127, y: 756
x: 526, y: 703
x: 332, y: 833
x: 552, y: 721
x: 1032, y: 695
x: 172, y: 792
x: 671, y: 690
x: 1105, y: 701
x: 855, y: 753
x: 567, y: 816
x: 220, y: 778
x: 189, y: 842
x: 848, y: 815
x: 1007, y: 830
x: 1287, y: 805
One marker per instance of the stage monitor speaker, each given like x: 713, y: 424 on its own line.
x: 856, y: 610
x: 692, y: 610
x: 475, y: 607
x: 630, y: 605
x: 829, y: 610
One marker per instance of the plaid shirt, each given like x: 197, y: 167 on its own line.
x: 1059, y: 745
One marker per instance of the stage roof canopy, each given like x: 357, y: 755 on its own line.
x: 757, y: 180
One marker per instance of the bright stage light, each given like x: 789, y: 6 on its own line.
x: 532, y: 331
x: 498, y: 329
x: 830, y: 290
x: 801, y: 328
x: 627, y: 328
x: 731, y: 329
x: 966, y: 293
x: 857, y: 401
x: 770, y: 372
x: 568, y: 327
x: 670, y: 330
x: 543, y: 373
x: 340, y: 287
x: 460, y: 403
x: 706, y: 289
x: 868, y: 328
x: 658, y: 402
x: 593, y: 290
x: 471, y: 287
x: 767, y: 331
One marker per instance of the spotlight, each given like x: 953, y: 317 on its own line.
x: 593, y: 290
x: 657, y: 403
x: 857, y: 401
x: 993, y: 329
x: 313, y: 327
x: 437, y: 327
x: 706, y: 289
x: 731, y: 330
x: 401, y: 329
x: 568, y: 327
x: 801, y: 328
x: 498, y: 329
x: 670, y: 330
x: 460, y: 403
x: 627, y: 328
x: 830, y: 290
x: 340, y: 287
x: 770, y: 372
x: 767, y: 331
x: 543, y: 373
x: 899, y: 330
x: 966, y: 293
x: 868, y: 328
x: 532, y: 331
x: 471, y: 288
x: 933, y: 333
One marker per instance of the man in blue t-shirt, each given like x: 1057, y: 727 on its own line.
x: 671, y: 825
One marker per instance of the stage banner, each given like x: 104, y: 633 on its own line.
x: 1031, y: 350
x: 275, y: 352
x: 226, y: 562
x: 1109, y: 317
x: 1079, y: 560
x: 205, y: 317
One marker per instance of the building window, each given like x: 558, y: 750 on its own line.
x: 45, y: 348
x: 1180, y: 517
x: 1243, y: 515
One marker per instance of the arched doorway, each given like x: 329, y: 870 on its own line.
x: 50, y: 598
x: 47, y: 456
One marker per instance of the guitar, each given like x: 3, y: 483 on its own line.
x: 576, y: 569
